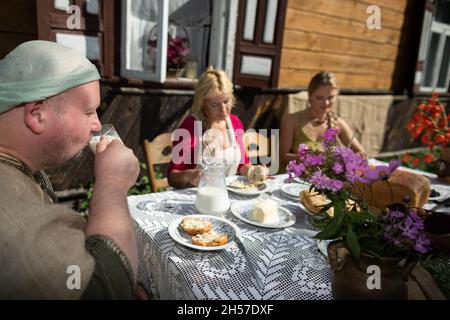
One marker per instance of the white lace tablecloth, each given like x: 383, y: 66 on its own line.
x: 287, y: 260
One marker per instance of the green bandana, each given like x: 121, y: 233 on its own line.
x: 37, y: 70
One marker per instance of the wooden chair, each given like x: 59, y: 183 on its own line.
x: 256, y: 145
x: 158, y: 152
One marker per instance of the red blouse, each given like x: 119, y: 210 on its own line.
x: 191, y: 143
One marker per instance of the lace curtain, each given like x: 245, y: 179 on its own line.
x: 185, y: 16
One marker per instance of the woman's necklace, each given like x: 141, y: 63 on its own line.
x: 315, y: 120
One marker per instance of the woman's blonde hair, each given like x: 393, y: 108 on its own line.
x: 212, y: 82
x: 323, y: 78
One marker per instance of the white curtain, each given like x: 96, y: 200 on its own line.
x: 191, y: 18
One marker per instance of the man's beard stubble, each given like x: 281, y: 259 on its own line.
x: 55, y: 153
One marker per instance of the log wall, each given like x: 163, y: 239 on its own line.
x: 332, y: 35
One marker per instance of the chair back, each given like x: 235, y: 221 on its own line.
x: 158, y: 151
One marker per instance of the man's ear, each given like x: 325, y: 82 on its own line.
x: 33, y: 116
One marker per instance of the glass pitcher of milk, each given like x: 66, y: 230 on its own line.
x: 212, y: 195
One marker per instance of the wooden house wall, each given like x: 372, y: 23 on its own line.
x: 18, y: 24
x: 332, y: 35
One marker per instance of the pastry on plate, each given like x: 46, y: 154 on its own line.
x: 195, y: 226
x: 210, y: 239
x: 314, y: 201
x: 265, y: 211
x: 257, y: 174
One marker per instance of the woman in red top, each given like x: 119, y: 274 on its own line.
x: 211, y: 109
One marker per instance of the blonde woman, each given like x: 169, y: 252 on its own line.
x: 309, y: 125
x: 212, y: 106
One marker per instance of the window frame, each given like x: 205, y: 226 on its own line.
x: 161, y: 59
x: 444, y: 31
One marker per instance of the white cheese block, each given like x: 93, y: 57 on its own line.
x: 265, y: 211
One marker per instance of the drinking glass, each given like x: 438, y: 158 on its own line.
x: 107, y: 131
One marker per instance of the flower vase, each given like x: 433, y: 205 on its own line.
x: 443, y: 165
x: 174, y: 72
x: 356, y: 278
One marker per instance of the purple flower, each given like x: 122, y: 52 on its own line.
x: 381, y: 172
x: 422, y: 244
x: 355, y: 165
x: 396, y: 214
x: 409, y: 229
x: 294, y: 168
x: 302, y: 151
x: 312, y: 160
x: 335, y: 185
x: 337, y: 167
x: 330, y: 135
x: 322, y: 181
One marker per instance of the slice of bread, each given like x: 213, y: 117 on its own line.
x: 210, y: 239
x: 314, y: 201
x: 195, y: 226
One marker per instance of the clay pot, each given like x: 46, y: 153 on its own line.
x: 437, y: 229
x: 174, y: 72
x: 351, y: 276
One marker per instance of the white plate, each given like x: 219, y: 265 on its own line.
x: 247, y: 192
x: 293, y: 189
x: 443, y: 192
x: 298, y: 180
x: 323, y: 245
x: 220, y: 225
x: 243, y: 209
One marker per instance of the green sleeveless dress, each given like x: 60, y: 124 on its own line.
x: 301, y: 137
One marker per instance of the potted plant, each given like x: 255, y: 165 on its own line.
x: 391, y: 241
x: 431, y: 124
x: 177, y: 54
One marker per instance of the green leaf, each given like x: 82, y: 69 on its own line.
x: 352, y: 242
x: 332, y: 229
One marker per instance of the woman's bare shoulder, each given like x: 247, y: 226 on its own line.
x: 341, y: 123
x: 293, y: 118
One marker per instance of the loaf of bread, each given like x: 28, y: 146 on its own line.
x: 195, y: 226
x: 210, y: 239
x: 401, y: 187
x: 265, y: 211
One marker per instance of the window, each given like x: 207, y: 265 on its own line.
x: 258, y: 42
x: 158, y: 36
x: 436, y: 56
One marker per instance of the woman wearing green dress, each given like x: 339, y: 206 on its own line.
x: 309, y: 125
